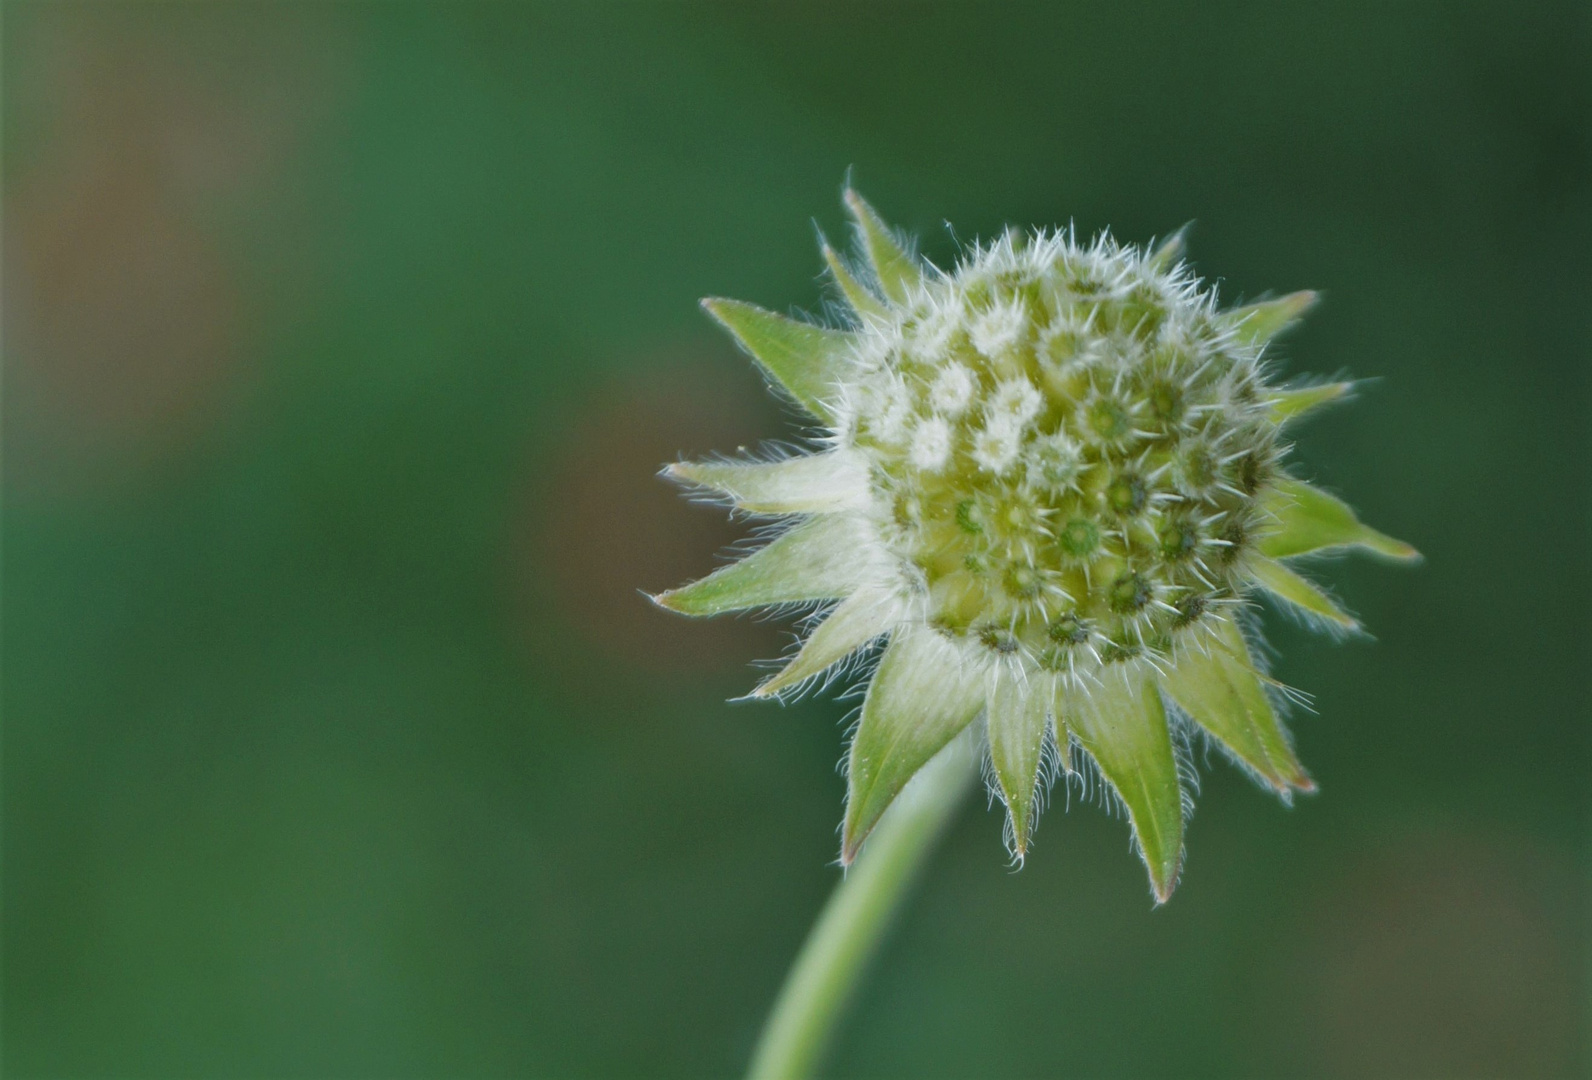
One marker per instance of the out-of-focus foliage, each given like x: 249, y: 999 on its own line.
x: 341, y: 344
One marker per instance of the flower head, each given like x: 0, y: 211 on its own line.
x: 1051, y: 480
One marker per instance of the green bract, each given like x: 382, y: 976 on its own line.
x: 1051, y: 478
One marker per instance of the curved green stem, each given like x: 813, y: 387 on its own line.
x: 854, y: 920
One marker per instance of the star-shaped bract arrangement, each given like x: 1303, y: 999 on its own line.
x: 1051, y: 481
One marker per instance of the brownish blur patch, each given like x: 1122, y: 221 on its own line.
x: 143, y: 138
x: 605, y: 526
x: 1445, y: 955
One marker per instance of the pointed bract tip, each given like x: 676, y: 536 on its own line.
x: 863, y: 211
x: 1163, y: 888
x: 1286, y: 786
x: 848, y: 852
x: 858, y: 295
x: 771, y: 688
x: 852, y: 838
x: 1399, y: 551
x: 1022, y: 826
x: 663, y: 599
x: 1295, y: 304
x: 1301, y: 302
x: 1257, y: 323
x: 684, y: 472
x: 1171, y: 249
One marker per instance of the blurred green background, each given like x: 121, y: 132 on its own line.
x: 342, y: 343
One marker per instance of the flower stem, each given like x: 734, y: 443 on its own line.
x: 853, y: 922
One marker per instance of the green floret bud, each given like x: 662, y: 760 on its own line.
x: 1080, y: 538
x: 1190, y: 610
x: 1195, y: 469
x: 1130, y: 592
x: 1127, y: 494
x: 1179, y: 539
x: 1234, y: 540
x: 968, y: 517
x: 1252, y: 473
x: 1120, y: 652
x: 1068, y: 630
x: 997, y: 638
x: 1022, y: 582
x: 1107, y: 420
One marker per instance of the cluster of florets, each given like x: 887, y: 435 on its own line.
x: 1069, y: 448
x: 1048, y: 477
